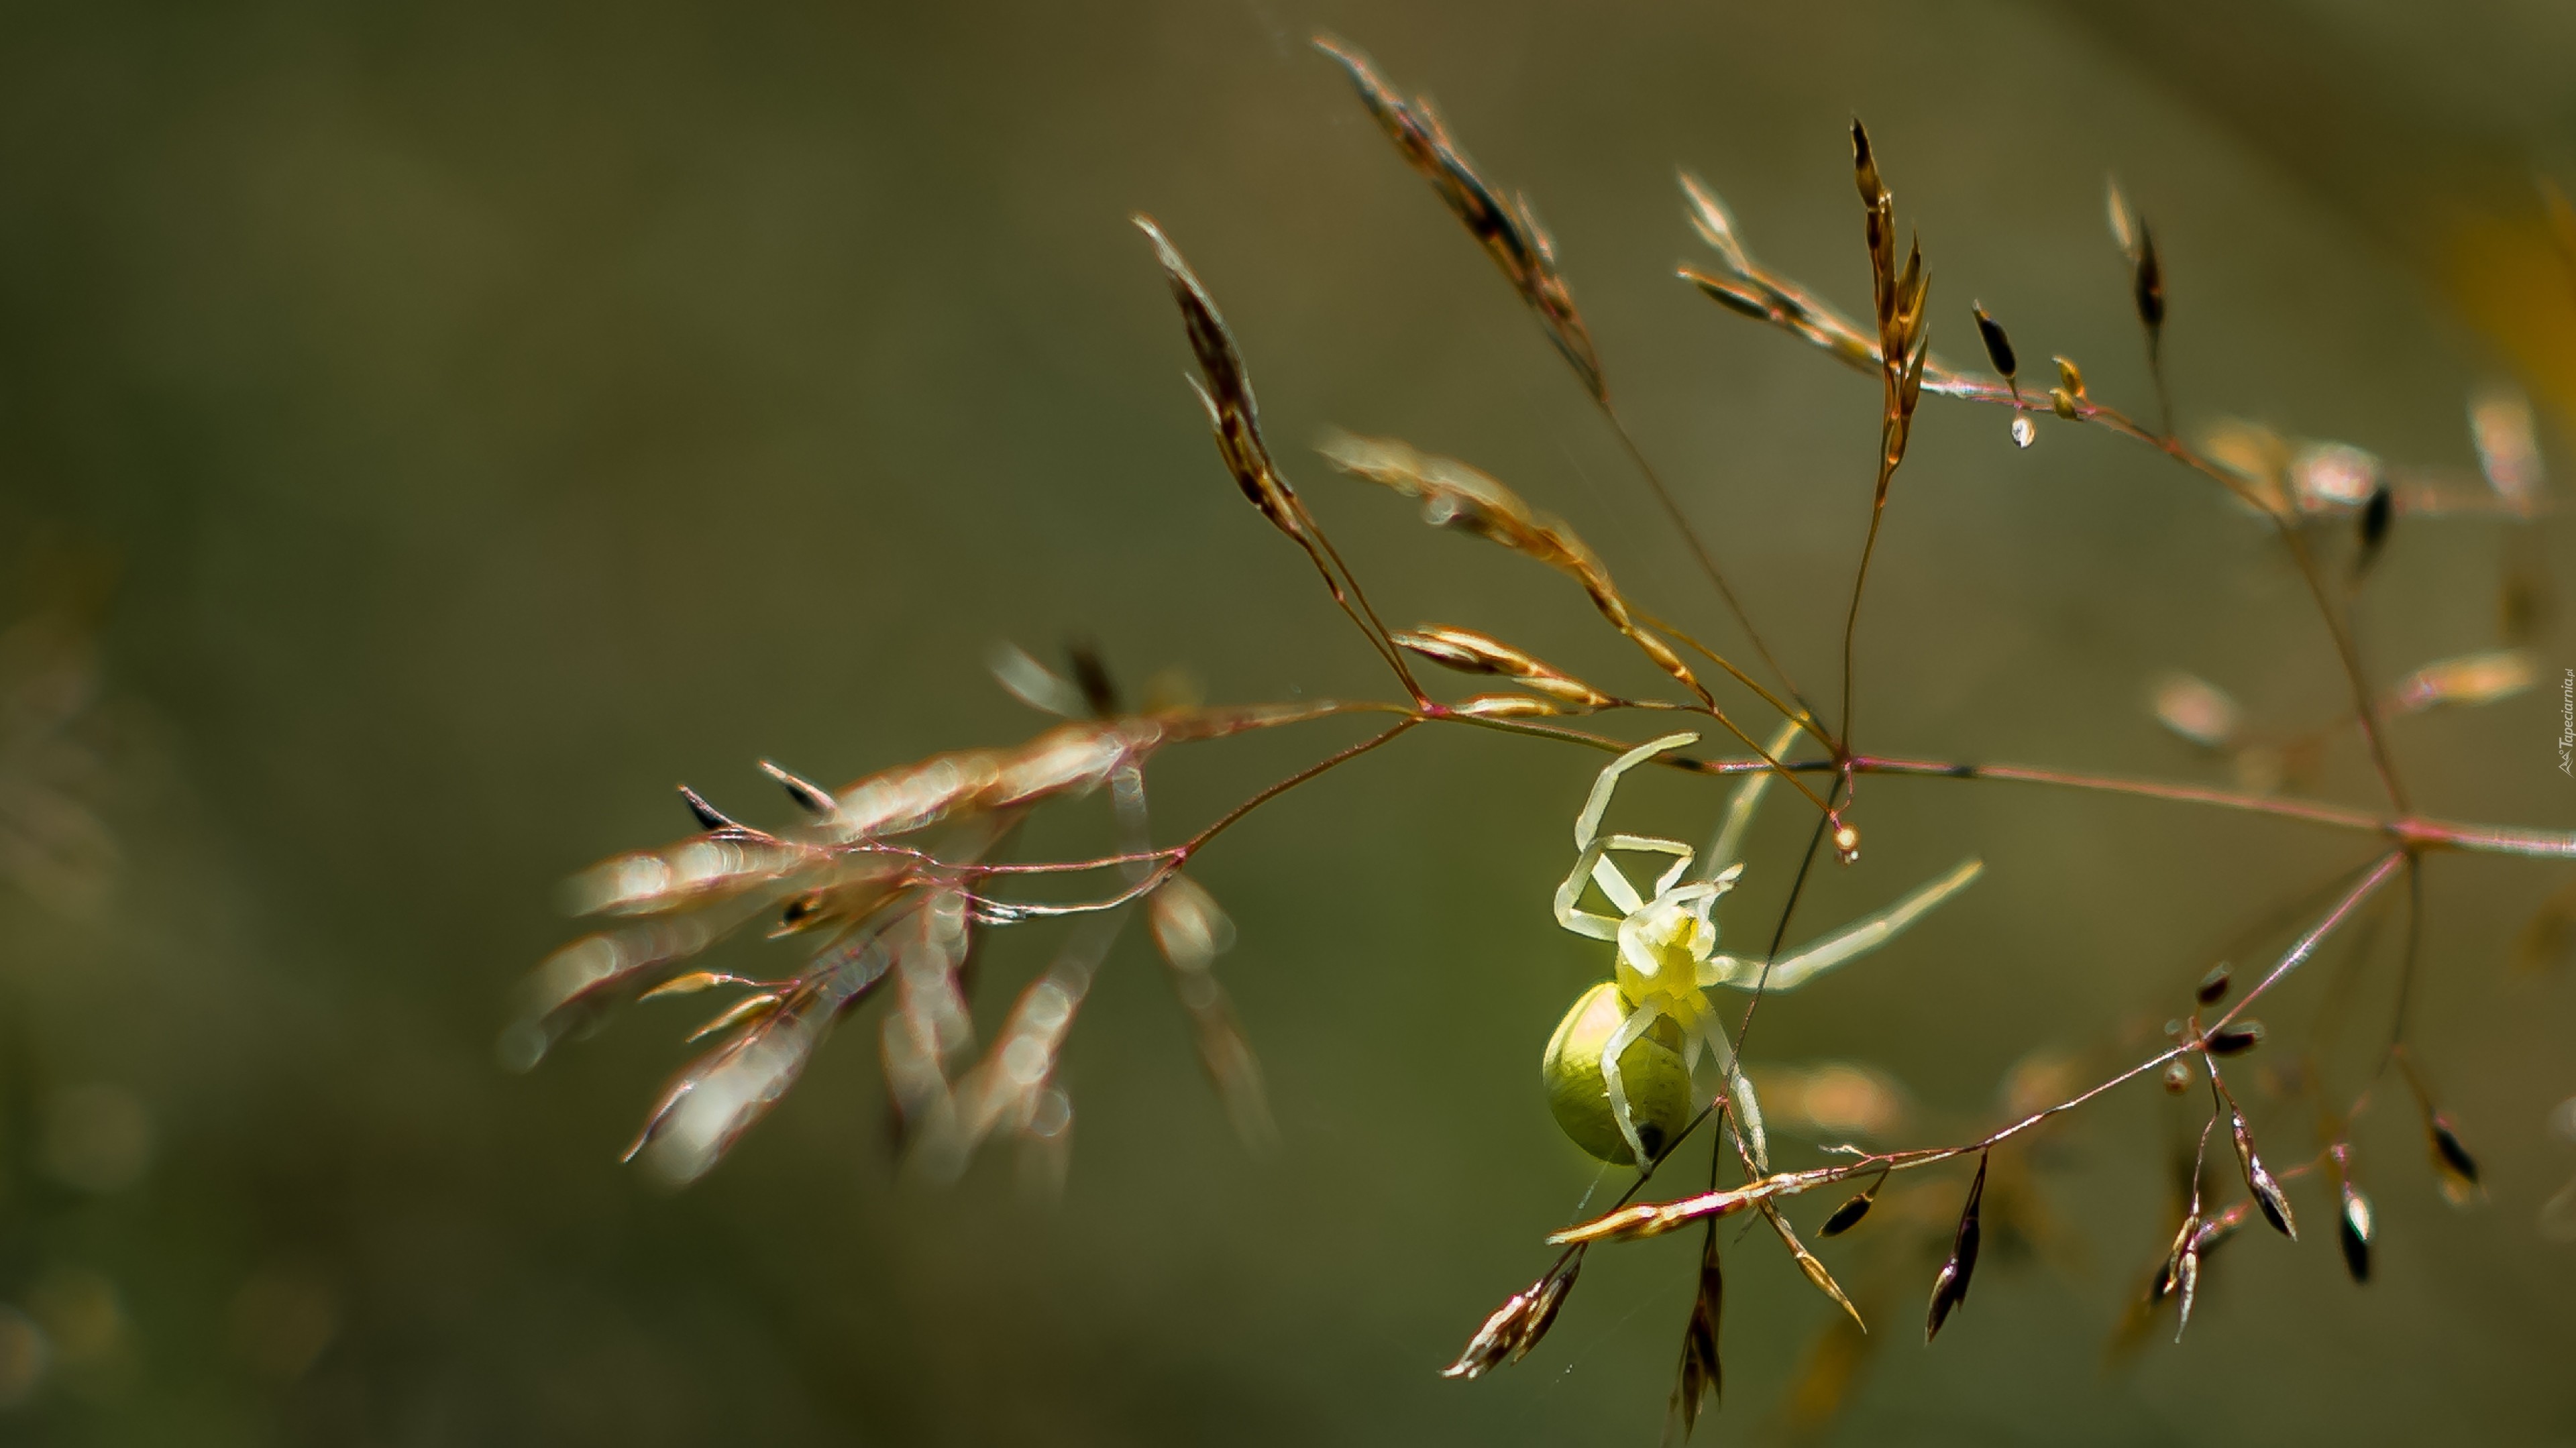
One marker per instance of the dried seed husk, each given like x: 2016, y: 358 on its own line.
x: 710, y: 818
x: 2070, y: 379
x: 2236, y: 1038
x: 1865, y: 166
x: 750, y: 1007
x: 1950, y: 1288
x: 2186, y: 1277
x: 2169, y: 1276
x: 1715, y: 224
x: 2458, y: 1169
x: 691, y: 983
x: 1091, y: 676
x: 813, y: 798
x: 1999, y: 348
x: 2268, y: 1196
x: 2213, y: 986
x: 2377, y: 513
x: 2149, y: 282
x: 1847, y: 1216
x: 2353, y: 1229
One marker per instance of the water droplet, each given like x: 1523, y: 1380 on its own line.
x: 2023, y: 433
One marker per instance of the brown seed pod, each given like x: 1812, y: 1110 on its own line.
x: 2149, y: 277
x: 813, y: 798
x: 1999, y: 348
x: 2377, y: 513
x: 2213, y: 986
x: 2236, y: 1037
x: 2459, y: 1169
x: 1846, y: 1216
x: 1951, y: 1287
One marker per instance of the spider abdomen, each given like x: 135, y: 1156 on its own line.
x: 1651, y: 1073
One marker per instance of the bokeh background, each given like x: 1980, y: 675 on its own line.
x: 427, y: 432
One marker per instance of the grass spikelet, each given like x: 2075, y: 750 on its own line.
x: 1470, y: 652
x: 1653, y: 1219
x: 1225, y: 390
x: 2268, y: 1196
x: 1702, y: 1375
x: 1455, y: 495
x: 1508, y: 231
x: 1808, y: 1263
x: 1511, y: 1330
x: 2508, y: 451
x: 2197, y: 710
x: 1191, y: 930
x: 2465, y: 682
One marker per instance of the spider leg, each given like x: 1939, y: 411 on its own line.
x: 1595, y: 864
x: 1791, y: 971
x: 1584, y: 922
x: 1625, y: 895
x: 1747, y: 799
x: 1639, y: 1021
x: 1588, y: 823
x: 1748, y: 1112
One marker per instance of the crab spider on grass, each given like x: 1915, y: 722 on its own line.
x: 1620, y: 1065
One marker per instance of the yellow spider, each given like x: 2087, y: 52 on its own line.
x: 1620, y: 1065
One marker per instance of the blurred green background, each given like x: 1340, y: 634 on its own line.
x: 434, y: 430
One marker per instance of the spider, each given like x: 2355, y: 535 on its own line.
x: 1666, y: 963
